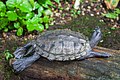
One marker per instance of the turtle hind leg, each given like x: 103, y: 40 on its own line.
x: 93, y: 54
x: 95, y: 37
x: 20, y: 64
x: 99, y: 55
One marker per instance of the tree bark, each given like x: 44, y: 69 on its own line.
x: 89, y: 69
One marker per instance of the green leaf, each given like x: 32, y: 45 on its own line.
x: 25, y: 6
x: 17, y: 25
x: 40, y: 20
x: 35, y: 19
x: 48, y: 12
x: 115, y: 2
x: 46, y: 19
x: 2, y: 7
x: 36, y: 6
x: 32, y: 23
x: 117, y: 11
x: 10, y: 27
x: 5, y: 29
x: 10, y: 3
x: 45, y: 3
x: 8, y: 55
x: 40, y: 27
x: 3, y: 22
x: 58, y: 1
x: 29, y: 15
x: 40, y: 10
x: 30, y: 27
x: 49, y: 2
x: 32, y: 2
x: 12, y: 16
x: 46, y: 26
x: 78, y: 12
x: 21, y: 15
x: 111, y: 15
x: 2, y: 14
x: 17, y: 3
x: 20, y: 31
x: 108, y: 0
x: 113, y: 28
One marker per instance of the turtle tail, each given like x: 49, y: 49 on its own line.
x: 26, y: 50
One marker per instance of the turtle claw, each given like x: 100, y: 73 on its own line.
x: 106, y: 55
x: 19, y: 65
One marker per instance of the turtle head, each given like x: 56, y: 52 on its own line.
x: 96, y: 37
x: 24, y: 51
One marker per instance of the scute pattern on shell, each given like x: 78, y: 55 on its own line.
x: 62, y: 45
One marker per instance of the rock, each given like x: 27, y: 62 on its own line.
x: 77, y: 4
x: 83, y: 13
x: 86, y: 1
x: 89, y: 69
x: 98, y: 13
x: 91, y: 14
x: 57, y: 14
x: 88, y: 7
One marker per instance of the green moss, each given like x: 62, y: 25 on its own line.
x: 86, y: 24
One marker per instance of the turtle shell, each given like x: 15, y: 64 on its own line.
x: 62, y: 45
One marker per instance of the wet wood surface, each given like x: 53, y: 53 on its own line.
x: 89, y: 69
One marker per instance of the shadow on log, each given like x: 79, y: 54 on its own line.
x: 89, y: 69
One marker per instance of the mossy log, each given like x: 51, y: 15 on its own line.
x: 89, y: 69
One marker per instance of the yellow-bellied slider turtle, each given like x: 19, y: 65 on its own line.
x: 58, y: 45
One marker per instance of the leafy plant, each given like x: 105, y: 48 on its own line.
x: 8, y: 55
x: 24, y: 15
x: 113, y: 15
x: 57, y: 1
x: 75, y: 12
x: 111, y: 4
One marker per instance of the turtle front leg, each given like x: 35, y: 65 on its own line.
x: 25, y: 50
x: 20, y: 64
x: 95, y: 37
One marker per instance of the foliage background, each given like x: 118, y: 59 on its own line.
x: 25, y: 15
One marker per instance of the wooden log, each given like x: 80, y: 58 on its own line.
x: 89, y: 69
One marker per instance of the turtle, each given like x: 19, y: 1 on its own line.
x: 59, y: 45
